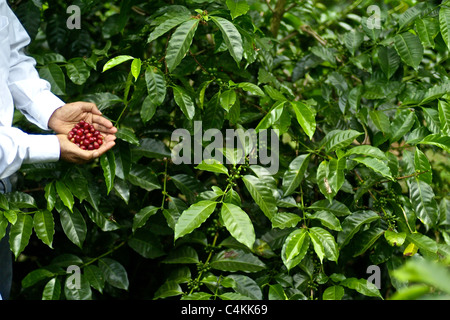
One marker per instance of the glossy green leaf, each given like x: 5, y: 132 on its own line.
x: 212, y: 165
x: 293, y: 246
x: 136, y: 68
x: 338, y: 139
x: 376, y: 165
x: 409, y: 48
x: 395, y: 239
x: 116, y: 61
x: 20, y: 233
x: 52, y: 290
x: 353, y: 40
x: 363, y: 286
x: 193, y: 217
x: 54, y: 75
x: 335, y: 207
x: 423, y: 202
x: 114, y: 273
x: 325, y: 241
x: 305, y: 116
x: 108, y: 163
x: 293, y: 176
x: 77, y: 71
x: 184, y: 101
x: 422, y: 164
x: 367, y: 151
x: 444, y: 116
x: 401, y: 125
x: 141, y: 217
x: 172, y: 20
x: 353, y: 223
x: 180, y: 43
x: 227, y: 99
x: 261, y: 194
x: 156, y: 85
x: 333, y: 293
x: 389, y: 60
x: 44, y: 226
x: 366, y: 239
x: 146, y: 244
x: 142, y: 176
x: 80, y: 291
x: 236, y: 260
x: 128, y: 135
x: 444, y: 22
x: 327, y: 219
x: 237, y: 7
x: 438, y: 140
x: 428, y: 29
x: 422, y: 241
x: 231, y: 37
x: 64, y: 194
x: 74, y: 226
x: 238, y: 224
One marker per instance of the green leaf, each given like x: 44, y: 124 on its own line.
x: 395, y: 239
x: 227, y: 99
x: 116, y: 61
x: 180, y: 43
x: 143, y: 177
x: 77, y: 71
x: 233, y: 260
x: 146, y: 244
x: 381, y: 121
x: 237, y: 7
x: 336, y: 175
x: 271, y: 117
x: 389, y: 60
x: 212, y: 165
x: 409, y: 48
x: 444, y: 116
x: 407, y: 17
x: 335, y: 207
x: 184, y: 101
x: 305, y: 116
x: 293, y: 176
x: 95, y: 277
x: 52, y: 290
x: 423, y: 202
x: 182, y: 255
x: 428, y: 29
x: 352, y: 224
x: 44, y: 226
x: 74, y: 226
x: 54, y: 75
x: 363, y: 286
x: 262, y: 195
x: 333, y: 293
x: 295, y: 247
x: 128, y: 135
x: 252, y: 88
x: 283, y: 220
x: 422, y: 164
x: 148, y: 109
x: 20, y: 200
x: 169, y: 289
x: 422, y: 242
x: 353, y: 40
x: 238, y: 224
x: 317, y: 245
x: 376, y: 165
x: 401, y: 125
x: 156, y: 85
x: 231, y: 37
x: 327, y: 242
x: 444, y: 21
x: 366, y: 150
x: 338, y: 139
x: 141, y: 217
x: 172, y: 20
x: 115, y: 274
x: 136, y: 68
x: 20, y: 233
x: 64, y: 194
x: 438, y: 140
x: 323, y: 181
x: 193, y: 217
x: 73, y: 292
x: 108, y: 163
x: 366, y: 239
x: 328, y: 219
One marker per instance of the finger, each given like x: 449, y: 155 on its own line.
x: 90, y: 107
x: 103, y: 125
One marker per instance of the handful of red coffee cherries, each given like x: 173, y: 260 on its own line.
x: 85, y: 136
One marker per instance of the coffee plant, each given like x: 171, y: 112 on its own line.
x: 351, y: 96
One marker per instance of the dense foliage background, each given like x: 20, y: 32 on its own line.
x: 358, y: 93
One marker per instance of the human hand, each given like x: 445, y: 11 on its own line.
x: 66, y: 117
x: 72, y: 153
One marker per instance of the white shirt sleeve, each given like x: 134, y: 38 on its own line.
x: 30, y: 94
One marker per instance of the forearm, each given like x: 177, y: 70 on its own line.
x: 17, y: 148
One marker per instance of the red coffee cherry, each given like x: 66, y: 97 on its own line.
x: 85, y: 136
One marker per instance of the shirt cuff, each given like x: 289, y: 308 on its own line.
x: 42, y: 148
x: 46, y: 103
